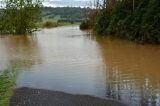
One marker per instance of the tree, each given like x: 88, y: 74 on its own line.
x: 136, y: 20
x: 21, y: 16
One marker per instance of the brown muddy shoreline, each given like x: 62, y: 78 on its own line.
x: 40, y: 97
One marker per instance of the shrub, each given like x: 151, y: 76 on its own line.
x: 85, y: 25
x: 50, y: 24
x: 141, y: 23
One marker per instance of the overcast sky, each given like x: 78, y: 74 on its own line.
x: 60, y: 3
x: 74, y: 3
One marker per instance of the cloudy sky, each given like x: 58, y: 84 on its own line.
x: 60, y: 3
x: 76, y: 3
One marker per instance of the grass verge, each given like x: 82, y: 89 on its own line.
x: 7, y: 84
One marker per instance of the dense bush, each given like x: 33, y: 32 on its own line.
x: 20, y: 16
x: 50, y: 24
x: 140, y: 24
x: 84, y: 25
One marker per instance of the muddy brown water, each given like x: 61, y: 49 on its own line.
x: 78, y: 62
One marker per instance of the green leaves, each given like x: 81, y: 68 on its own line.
x: 142, y: 24
x: 7, y: 83
x: 20, y: 16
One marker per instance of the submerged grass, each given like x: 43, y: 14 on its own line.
x: 7, y: 83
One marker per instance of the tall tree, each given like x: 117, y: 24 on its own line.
x: 21, y: 15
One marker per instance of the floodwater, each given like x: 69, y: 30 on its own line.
x: 78, y: 62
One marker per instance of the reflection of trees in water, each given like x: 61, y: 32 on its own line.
x: 22, y: 51
x: 132, y: 71
x: 133, y: 89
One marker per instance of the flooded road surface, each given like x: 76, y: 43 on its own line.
x: 73, y: 61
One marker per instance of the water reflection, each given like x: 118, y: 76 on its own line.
x: 132, y: 71
x: 19, y: 51
x: 67, y: 59
x: 71, y: 63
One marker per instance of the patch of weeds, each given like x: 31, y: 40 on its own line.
x: 7, y: 84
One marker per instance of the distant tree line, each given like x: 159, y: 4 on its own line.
x: 20, y: 16
x: 137, y: 20
x: 65, y: 14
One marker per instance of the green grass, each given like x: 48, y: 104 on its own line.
x: 7, y: 84
x: 57, y: 17
x: 50, y: 24
x: 68, y: 23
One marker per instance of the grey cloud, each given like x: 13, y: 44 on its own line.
x: 66, y: 2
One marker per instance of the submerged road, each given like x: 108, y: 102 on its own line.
x: 39, y: 97
x: 65, y: 58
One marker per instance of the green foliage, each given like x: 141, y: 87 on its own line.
x: 64, y: 14
x: 50, y: 24
x: 103, y: 22
x: 141, y: 23
x: 7, y: 83
x: 20, y: 16
x: 84, y: 25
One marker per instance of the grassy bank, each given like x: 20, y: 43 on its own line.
x: 7, y: 83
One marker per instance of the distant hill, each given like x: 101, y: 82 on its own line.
x: 74, y: 14
x: 1, y: 12
x: 62, y: 14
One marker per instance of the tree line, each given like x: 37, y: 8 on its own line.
x: 66, y: 14
x: 137, y: 20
